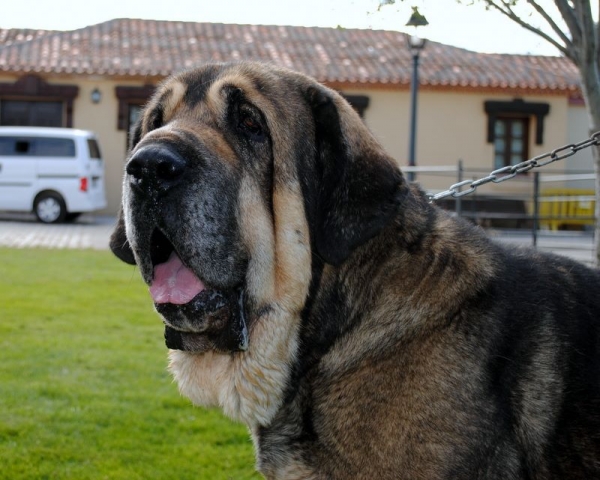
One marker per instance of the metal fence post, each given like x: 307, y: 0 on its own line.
x: 458, y: 201
x: 536, y: 206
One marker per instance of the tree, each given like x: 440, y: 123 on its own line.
x: 578, y: 40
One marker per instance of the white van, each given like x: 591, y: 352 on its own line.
x: 57, y: 173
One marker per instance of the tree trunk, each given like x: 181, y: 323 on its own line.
x: 590, y: 87
x: 593, y: 107
x: 596, y: 154
x: 583, y: 49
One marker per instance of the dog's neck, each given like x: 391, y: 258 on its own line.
x: 418, y: 255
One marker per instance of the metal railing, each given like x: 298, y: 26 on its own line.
x: 511, y: 171
x: 535, y: 201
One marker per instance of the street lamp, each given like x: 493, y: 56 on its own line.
x: 415, y: 45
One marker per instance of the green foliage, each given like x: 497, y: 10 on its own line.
x: 84, y: 391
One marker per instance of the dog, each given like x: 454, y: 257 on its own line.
x: 312, y: 293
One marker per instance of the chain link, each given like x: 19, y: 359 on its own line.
x: 511, y: 171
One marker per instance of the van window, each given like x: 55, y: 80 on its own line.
x: 94, y: 148
x: 37, y: 147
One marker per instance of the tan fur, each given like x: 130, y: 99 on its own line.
x: 249, y: 388
x: 259, y: 236
x: 173, y: 100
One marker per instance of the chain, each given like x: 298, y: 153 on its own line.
x: 506, y: 173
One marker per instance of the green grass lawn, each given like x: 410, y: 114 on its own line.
x: 84, y: 391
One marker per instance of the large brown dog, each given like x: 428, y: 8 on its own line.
x: 359, y: 331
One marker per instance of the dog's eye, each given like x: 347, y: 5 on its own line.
x: 251, y: 126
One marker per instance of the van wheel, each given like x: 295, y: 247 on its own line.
x: 50, y: 208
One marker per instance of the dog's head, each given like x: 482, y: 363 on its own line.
x: 238, y: 176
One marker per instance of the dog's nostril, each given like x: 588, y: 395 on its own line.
x: 168, y: 170
x: 134, y: 169
x: 155, y: 167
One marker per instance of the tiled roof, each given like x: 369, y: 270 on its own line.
x: 19, y: 35
x: 149, y: 48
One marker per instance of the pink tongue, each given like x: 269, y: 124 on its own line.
x: 174, y: 282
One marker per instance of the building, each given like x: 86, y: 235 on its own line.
x: 488, y: 110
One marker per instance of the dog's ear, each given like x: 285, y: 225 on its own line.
x: 118, y: 241
x: 360, y: 186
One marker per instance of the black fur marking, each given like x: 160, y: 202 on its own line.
x: 173, y: 339
x: 155, y: 118
x: 119, y: 244
x: 136, y: 134
x: 198, y: 83
x: 359, y: 192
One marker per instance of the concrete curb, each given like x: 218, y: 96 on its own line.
x: 88, y: 232
x: 93, y: 232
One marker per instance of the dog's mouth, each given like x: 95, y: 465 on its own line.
x: 197, y: 317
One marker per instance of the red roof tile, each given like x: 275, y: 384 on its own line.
x: 142, y: 48
x: 19, y: 35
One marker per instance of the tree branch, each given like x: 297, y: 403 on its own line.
x: 570, y: 18
x: 504, y: 7
x: 590, y: 52
x: 598, y: 36
x: 589, y: 42
x: 550, y: 22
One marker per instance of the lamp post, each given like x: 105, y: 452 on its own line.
x: 415, y: 45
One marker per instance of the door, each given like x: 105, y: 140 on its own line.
x: 33, y: 114
x: 17, y: 173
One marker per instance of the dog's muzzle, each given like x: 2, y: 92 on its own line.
x: 197, y: 318
x: 214, y: 321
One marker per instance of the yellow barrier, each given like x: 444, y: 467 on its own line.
x: 563, y: 207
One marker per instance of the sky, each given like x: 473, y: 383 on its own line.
x: 450, y: 21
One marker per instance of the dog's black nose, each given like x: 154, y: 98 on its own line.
x: 155, y: 168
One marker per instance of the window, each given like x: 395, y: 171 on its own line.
x: 34, y: 113
x: 131, y: 102
x: 37, y: 147
x: 93, y: 148
x: 508, y: 129
x: 134, y: 114
x: 33, y: 102
x: 510, y: 141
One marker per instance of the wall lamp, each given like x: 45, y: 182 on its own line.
x: 96, y: 96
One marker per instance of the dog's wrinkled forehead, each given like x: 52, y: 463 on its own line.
x: 282, y: 133
x: 205, y: 94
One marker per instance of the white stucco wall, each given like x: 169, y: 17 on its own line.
x: 577, y: 130
x: 102, y: 119
x: 451, y: 126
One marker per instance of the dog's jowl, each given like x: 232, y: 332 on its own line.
x: 313, y: 294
